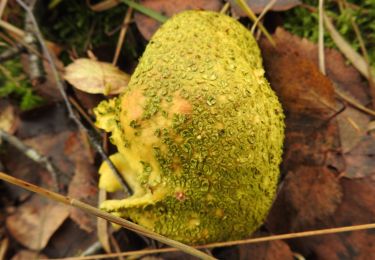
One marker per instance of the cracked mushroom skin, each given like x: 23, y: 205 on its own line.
x: 199, y: 133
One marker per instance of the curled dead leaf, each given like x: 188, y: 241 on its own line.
x: 96, y: 77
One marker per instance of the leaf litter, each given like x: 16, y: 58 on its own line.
x: 327, y: 169
x: 328, y: 172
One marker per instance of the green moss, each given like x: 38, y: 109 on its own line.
x: 14, y: 84
x: 207, y: 169
x: 304, y: 23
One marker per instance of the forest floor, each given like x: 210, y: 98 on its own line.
x: 325, y: 82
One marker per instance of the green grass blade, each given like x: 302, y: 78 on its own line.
x: 147, y: 11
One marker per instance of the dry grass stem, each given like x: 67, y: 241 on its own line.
x: 102, y: 225
x: 83, y: 113
x: 237, y: 242
x: 103, y: 6
x: 3, y: 4
x: 121, y: 38
x: 105, y: 215
x: 264, y: 12
x: 322, y: 66
x: 351, y: 101
x: 13, y: 30
x: 243, y: 5
x: 357, y: 60
x: 225, y: 8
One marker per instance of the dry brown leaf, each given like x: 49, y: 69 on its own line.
x: 52, y: 145
x: 257, y: 6
x: 9, y: 119
x: 272, y: 250
x: 27, y: 255
x: 308, y: 195
x: 96, y: 77
x: 353, y: 125
x: 102, y: 225
x: 35, y: 221
x: 308, y: 100
x: 269, y: 251
x: 360, y: 160
x: 338, y: 70
x: 148, y: 26
x: 83, y: 186
x: 357, y: 207
x: 21, y: 166
x: 69, y: 240
x: 348, y: 134
x: 46, y: 88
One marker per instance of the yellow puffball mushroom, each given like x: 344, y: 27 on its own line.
x: 199, y: 133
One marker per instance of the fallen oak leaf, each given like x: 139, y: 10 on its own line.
x: 148, y: 26
x: 96, y: 77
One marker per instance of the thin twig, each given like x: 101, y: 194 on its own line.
x: 7, y: 40
x: 103, y: 6
x: 8, y: 75
x: 3, y: 4
x: 11, y: 52
x: 35, y: 64
x: 364, y: 53
x: 357, y: 60
x: 12, y: 29
x: 4, y: 245
x: 61, y: 86
x: 124, y: 28
x: 83, y: 113
x: 116, y: 246
x: 236, y: 242
x: 33, y: 155
x: 93, y: 249
x: 322, y: 66
x: 351, y: 101
x: 264, y: 12
x: 105, y: 215
x: 253, y: 17
x: 225, y: 8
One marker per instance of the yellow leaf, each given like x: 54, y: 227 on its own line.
x: 96, y: 77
